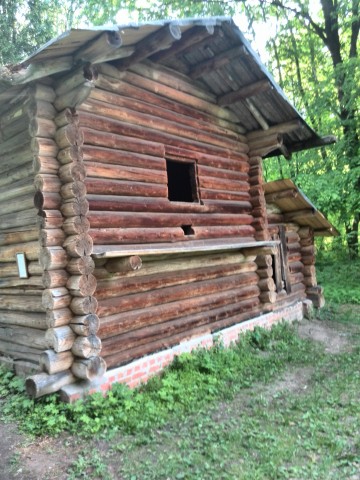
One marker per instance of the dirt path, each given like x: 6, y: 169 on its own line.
x: 22, y: 458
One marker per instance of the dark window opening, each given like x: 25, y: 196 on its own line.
x: 188, y: 230
x: 182, y: 185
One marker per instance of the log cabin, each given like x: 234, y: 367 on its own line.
x: 135, y: 222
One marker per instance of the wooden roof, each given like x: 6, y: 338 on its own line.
x: 212, y: 52
x: 295, y: 205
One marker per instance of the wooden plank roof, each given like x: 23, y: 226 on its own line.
x: 295, y: 205
x: 213, y: 52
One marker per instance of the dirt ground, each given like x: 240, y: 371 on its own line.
x: 22, y: 458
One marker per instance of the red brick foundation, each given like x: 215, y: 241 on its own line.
x: 139, y: 371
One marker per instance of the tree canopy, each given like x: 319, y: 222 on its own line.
x: 313, y: 55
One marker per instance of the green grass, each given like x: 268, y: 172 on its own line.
x: 341, y: 281
x: 190, y: 382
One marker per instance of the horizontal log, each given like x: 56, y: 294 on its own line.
x: 111, y: 326
x: 19, y: 188
x: 76, y: 225
x: 78, y: 245
x: 160, y: 296
x: 20, y: 286
x: 68, y: 115
x: 26, y: 336
x: 89, y: 369
x: 75, y: 207
x: 52, y: 362
x: 44, y: 147
x: 156, y: 110
x: 308, y: 259
x: 224, y: 184
x: 288, y: 193
x: 119, y: 287
x: 295, y: 267
x: 172, y: 94
x: 92, y: 123
x: 156, y: 122
x: 25, y: 319
x: 126, y: 264
x: 81, y: 266
x: 240, y: 174
x: 71, y: 172
x: 55, y: 298
x: 51, y: 237
x: 97, y: 50
x: 124, y: 141
x: 309, y: 270
x: 248, y: 91
x: 74, y: 97
x: 58, y: 318
x: 42, y: 127
x: 84, y: 305
x: 174, y: 265
x: 45, y: 165
x: 309, y: 281
x: 307, y: 250
x: 160, y: 220
x: 55, y: 278
x: 23, y: 236
x: 114, y: 236
x: 47, y: 201
x: 86, y: 347
x: 267, y: 285
x: 60, y: 339
x: 121, y: 187
x: 43, y: 384
x: 268, y: 297
x: 30, y: 249
x: 305, y: 232
x: 75, y: 189
x: 265, y: 272
x: 187, y: 325
x: 226, y: 159
x: 85, y: 325
x: 304, y: 213
x: 10, y: 269
x: 118, y: 156
x: 20, y: 173
x: 81, y: 285
x: 208, y: 194
x: 70, y: 154
x: 109, y: 80
x: 53, y: 258
x: 123, y: 357
x: 134, y: 174
x: 50, y: 218
x: 264, y: 261
x: 296, y: 277
x: 68, y: 136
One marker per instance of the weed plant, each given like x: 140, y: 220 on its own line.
x: 188, y: 385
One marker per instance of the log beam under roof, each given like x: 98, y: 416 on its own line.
x: 190, y: 38
x: 217, y: 61
x: 245, y: 92
x: 159, y: 40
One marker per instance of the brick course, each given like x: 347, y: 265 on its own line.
x: 140, y: 370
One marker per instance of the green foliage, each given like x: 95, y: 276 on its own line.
x: 188, y: 385
x: 341, y: 281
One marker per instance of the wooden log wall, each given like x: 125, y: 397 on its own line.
x: 307, y: 248
x: 170, y: 299
x: 257, y: 199
x: 28, y: 186
x: 78, y: 243
x: 295, y: 290
x: 131, y: 123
